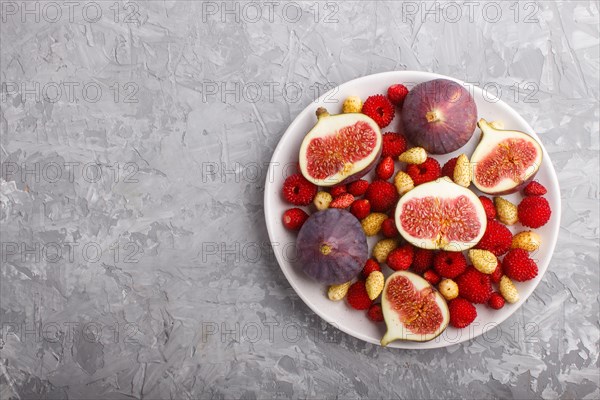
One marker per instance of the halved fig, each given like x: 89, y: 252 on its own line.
x: 340, y: 148
x: 441, y: 215
x: 413, y: 310
x: 332, y: 246
x: 504, y: 160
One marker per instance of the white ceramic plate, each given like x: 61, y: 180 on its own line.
x: 339, y: 314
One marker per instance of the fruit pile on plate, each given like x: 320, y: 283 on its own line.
x: 445, y: 244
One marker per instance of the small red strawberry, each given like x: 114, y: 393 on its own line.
x: 357, y: 296
x: 462, y: 313
x: 358, y: 188
x: 382, y: 195
x: 474, y: 286
x: 496, y: 301
x: 385, y: 168
x: 294, y: 218
x: 298, y: 191
x: 422, y: 260
x: 370, y: 266
x: 534, y: 188
x: 375, y: 313
x: 388, y: 228
x: 432, y: 277
x: 534, y: 211
x: 497, y: 238
x: 426, y: 172
x: 488, y: 206
x: 448, y: 168
x: 338, y: 190
x: 497, y: 274
x: 380, y: 109
x: 397, y: 93
x: 400, y: 258
x: 518, y: 266
x: 394, y: 144
x: 449, y: 264
x: 342, y: 201
x: 360, y: 208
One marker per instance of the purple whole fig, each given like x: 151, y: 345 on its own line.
x: 332, y: 246
x: 439, y: 115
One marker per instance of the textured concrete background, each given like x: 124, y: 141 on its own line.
x: 135, y: 259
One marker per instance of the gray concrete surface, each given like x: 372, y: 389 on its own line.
x: 135, y: 259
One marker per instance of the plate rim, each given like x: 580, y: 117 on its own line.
x: 397, y: 344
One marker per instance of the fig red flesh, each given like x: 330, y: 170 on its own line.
x: 340, y: 149
x: 412, y: 309
x: 455, y: 219
x: 504, y: 160
x: 441, y: 215
x: 507, y: 160
x: 417, y: 310
x: 329, y: 155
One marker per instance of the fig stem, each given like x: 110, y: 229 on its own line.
x: 432, y: 116
x: 484, y: 126
x: 322, y: 112
x: 325, y: 249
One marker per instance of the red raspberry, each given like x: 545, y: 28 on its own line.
x: 448, y: 168
x: 422, y: 260
x: 294, y: 218
x: 474, y: 286
x: 518, y: 266
x: 358, y: 188
x: 401, y: 258
x: 298, y: 191
x: 497, y: 238
x: 449, y: 264
x: 380, y: 109
x: 388, y: 228
x: 338, y: 190
x: 357, y: 296
x: 432, y: 277
x: 397, y: 93
x: 342, y: 201
x: 462, y: 313
x: 488, y: 206
x: 370, y: 266
x: 496, y: 301
x: 428, y: 171
x: 375, y: 313
x: 497, y: 274
x: 382, y: 195
x: 394, y: 144
x: 534, y: 188
x: 534, y: 211
x: 360, y: 208
x: 385, y: 168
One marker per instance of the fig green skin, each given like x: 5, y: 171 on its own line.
x: 345, y: 239
x: 451, y: 111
